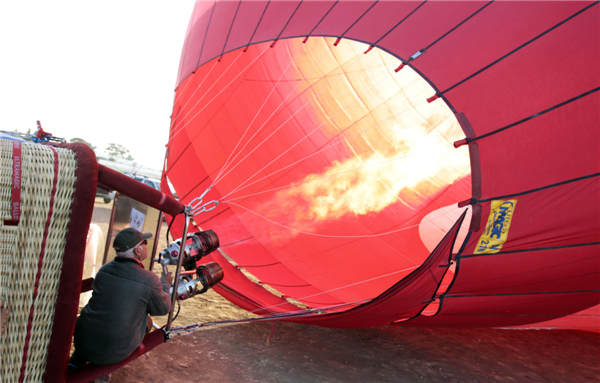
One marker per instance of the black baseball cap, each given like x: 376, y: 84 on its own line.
x: 128, y: 239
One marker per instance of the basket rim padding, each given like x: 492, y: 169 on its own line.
x: 138, y: 191
x: 69, y: 288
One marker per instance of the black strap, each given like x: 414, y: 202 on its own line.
x: 528, y: 250
x: 323, y: 18
x: 518, y: 48
x: 516, y: 294
x: 212, y: 11
x: 474, y: 201
x: 533, y: 116
x: 461, y: 23
x: 290, y: 19
x: 258, y: 24
x: 400, y: 22
x: 231, y: 26
x: 357, y: 20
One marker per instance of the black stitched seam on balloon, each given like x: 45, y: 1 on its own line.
x: 533, y: 115
x: 518, y: 48
x: 528, y: 250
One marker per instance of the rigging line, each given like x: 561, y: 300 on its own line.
x: 533, y: 116
x: 334, y: 174
x: 332, y: 290
x: 232, y: 321
x: 329, y: 291
x: 317, y: 310
x: 518, y: 48
x: 401, y: 21
x: 323, y: 148
x: 276, y: 109
x: 217, y: 179
x: 286, y: 121
x: 226, y: 163
x: 174, y: 127
x: 213, y: 85
x: 178, y: 93
x: 342, y: 109
x: 215, y: 216
x: 174, y: 120
x: 221, y: 91
x: 340, y: 236
x: 461, y: 23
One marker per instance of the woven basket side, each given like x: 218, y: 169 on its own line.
x: 43, y: 224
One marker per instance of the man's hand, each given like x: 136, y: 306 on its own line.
x: 167, y: 278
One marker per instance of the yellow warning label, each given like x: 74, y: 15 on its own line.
x: 496, y: 229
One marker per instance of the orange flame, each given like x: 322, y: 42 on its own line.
x: 399, y: 146
x: 375, y: 181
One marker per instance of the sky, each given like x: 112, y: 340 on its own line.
x: 103, y: 71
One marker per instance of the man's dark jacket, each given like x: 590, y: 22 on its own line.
x: 113, y: 323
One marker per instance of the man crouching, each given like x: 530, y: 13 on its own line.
x: 112, y: 325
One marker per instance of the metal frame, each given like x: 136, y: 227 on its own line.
x: 178, y: 270
x: 110, y: 226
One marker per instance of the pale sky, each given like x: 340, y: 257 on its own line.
x: 103, y: 71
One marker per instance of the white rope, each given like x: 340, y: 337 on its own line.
x: 241, y: 186
x: 222, y: 199
x: 221, y: 91
x: 178, y: 330
x: 285, y: 122
x: 180, y: 94
x: 337, y: 236
x: 226, y: 164
x: 205, y: 93
x: 187, y: 330
x: 300, y: 299
x: 343, y: 108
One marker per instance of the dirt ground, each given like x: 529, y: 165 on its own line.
x: 285, y: 352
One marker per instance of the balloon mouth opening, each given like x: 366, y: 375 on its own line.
x: 325, y: 142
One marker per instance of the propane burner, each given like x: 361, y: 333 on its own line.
x: 197, y: 246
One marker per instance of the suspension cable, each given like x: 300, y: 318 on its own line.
x: 240, y: 187
x: 180, y: 94
x: 222, y: 199
x: 226, y: 164
x: 336, y: 236
x: 335, y: 77
x: 221, y: 91
x: 186, y: 330
x: 307, y: 135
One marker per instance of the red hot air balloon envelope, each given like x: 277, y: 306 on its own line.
x: 344, y: 140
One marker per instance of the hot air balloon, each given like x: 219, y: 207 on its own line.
x: 363, y: 163
x: 334, y: 146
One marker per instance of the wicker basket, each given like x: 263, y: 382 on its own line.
x: 31, y: 254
